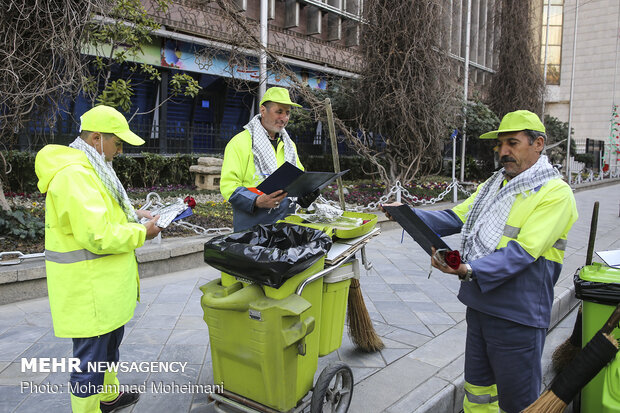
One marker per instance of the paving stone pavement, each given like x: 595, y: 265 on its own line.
x: 419, y: 318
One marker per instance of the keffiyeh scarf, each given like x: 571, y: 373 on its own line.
x: 264, y: 156
x: 487, y: 217
x: 108, y: 177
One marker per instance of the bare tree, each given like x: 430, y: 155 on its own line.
x: 518, y: 83
x: 117, y: 35
x: 404, y: 100
x: 406, y: 93
x: 41, y: 64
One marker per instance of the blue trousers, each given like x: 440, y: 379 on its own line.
x: 102, y: 348
x: 505, y: 353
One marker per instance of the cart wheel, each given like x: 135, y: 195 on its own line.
x: 333, y: 390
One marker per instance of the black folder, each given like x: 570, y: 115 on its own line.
x: 415, y: 227
x: 296, y: 182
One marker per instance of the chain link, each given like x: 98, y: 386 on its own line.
x: 394, y: 190
x: 154, y: 200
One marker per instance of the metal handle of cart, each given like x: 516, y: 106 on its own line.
x: 322, y: 273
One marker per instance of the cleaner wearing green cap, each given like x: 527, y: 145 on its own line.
x: 254, y: 154
x: 513, y: 237
x: 91, y: 232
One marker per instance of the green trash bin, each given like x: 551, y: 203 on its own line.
x: 334, y: 308
x: 264, y: 337
x: 599, y: 288
x: 611, y: 390
x: 264, y: 348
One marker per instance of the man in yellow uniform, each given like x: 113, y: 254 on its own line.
x: 91, y: 232
x: 513, y: 230
x: 254, y: 154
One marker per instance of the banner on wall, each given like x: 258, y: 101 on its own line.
x: 187, y: 56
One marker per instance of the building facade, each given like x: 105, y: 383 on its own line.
x: 592, y: 53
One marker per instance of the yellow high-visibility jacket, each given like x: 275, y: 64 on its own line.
x: 92, y: 273
x: 239, y: 173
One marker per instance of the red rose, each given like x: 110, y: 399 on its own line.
x: 191, y: 202
x: 453, y: 259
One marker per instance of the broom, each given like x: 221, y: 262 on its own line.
x: 595, y: 355
x: 570, y: 348
x: 361, y: 330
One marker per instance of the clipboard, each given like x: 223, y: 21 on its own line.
x: 296, y: 182
x: 413, y: 224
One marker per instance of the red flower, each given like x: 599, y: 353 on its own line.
x: 453, y: 259
x: 191, y: 202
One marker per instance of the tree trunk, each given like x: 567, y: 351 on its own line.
x: 3, y: 203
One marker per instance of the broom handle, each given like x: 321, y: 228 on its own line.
x: 593, y: 225
x: 612, y: 322
x: 335, y: 157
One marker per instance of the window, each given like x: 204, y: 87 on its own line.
x: 552, y: 39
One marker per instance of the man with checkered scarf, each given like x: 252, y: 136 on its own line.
x: 254, y: 154
x: 514, y: 230
x: 91, y: 234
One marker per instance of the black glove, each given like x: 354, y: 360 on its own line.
x: 307, y: 199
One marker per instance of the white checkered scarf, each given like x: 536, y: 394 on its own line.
x: 264, y: 156
x: 108, y: 177
x: 487, y: 217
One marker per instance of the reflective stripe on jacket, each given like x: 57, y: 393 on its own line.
x: 239, y: 173
x: 516, y: 281
x: 92, y: 273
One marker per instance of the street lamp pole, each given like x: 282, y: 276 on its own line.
x: 262, y: 69
x: 572, y: 87
x: 465, y: 89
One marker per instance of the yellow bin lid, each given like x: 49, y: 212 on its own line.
x: 600, y: 273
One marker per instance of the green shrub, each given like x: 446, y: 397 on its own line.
x: 127, y: 169
x: 21, y: 223
x: 151, y: 169
x: 22, y: 177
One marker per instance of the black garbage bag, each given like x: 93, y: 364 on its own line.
x: 267, y: 254
x: 596, y: 292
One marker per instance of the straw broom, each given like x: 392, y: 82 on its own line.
x: 569, y: 349
x: 595, y: 355
x: 361, y: 330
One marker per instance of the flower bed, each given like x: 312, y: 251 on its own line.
x: 211, y: 210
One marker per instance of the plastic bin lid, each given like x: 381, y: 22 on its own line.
x: 600, y: 273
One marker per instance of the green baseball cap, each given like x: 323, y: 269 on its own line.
x: 106, y: 119
x: 517, y: 121
x: 278, y: 95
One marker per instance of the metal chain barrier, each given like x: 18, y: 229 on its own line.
x: 398, y: 192
x: 594, y: 177
x: 154, y: 200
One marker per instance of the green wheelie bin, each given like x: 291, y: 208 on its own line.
x: 264, y: 337
x: 599, y: 288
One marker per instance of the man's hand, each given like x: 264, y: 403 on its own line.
x: 151, y: 227
x: 394, y: 204
x: 440, y: 264
x: 270, y: 201
x: 143, y: 213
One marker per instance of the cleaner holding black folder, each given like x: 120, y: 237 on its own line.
x: 256, y: 153
x: 514, y: 230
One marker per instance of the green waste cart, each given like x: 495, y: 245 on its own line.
x: 265, y: 341
x: 599, y: 288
